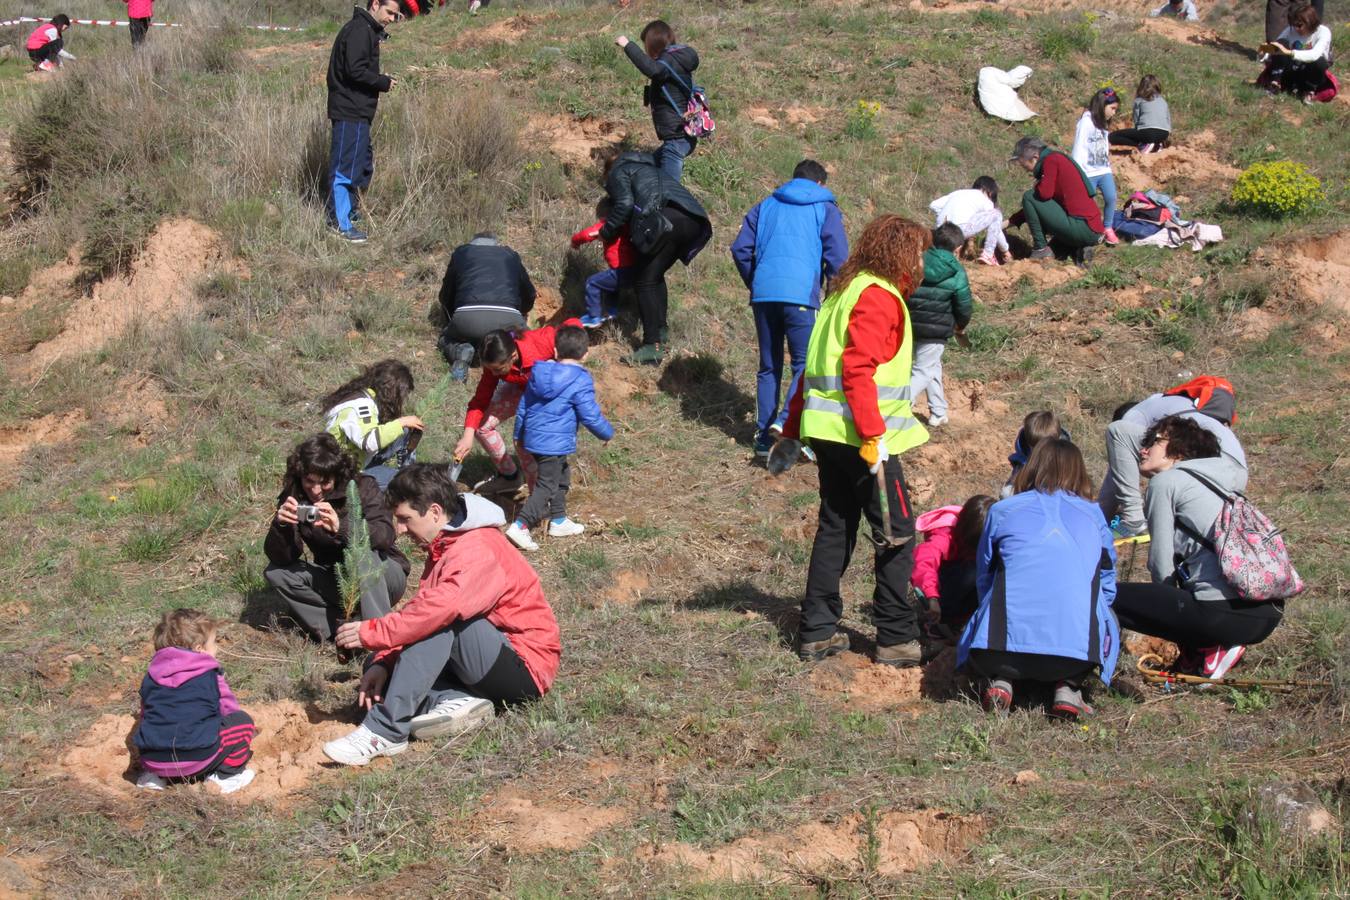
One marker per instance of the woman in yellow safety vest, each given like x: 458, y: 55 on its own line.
x: 853, y: 407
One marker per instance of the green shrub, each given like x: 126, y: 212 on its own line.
x: 1059, y: 42
x: 1277, y: 190
x: 862, y: 120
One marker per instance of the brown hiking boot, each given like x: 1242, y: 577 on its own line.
x: 815, y: 651
x: 901, y: 656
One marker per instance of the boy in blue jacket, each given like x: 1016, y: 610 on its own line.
x: 560, y: 396
x: 789, y: 244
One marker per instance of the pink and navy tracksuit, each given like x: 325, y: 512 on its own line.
x: 191, y: 725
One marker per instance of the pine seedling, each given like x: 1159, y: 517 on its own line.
x: 354, y: 572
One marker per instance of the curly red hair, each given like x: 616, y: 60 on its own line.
x: 890, y: 247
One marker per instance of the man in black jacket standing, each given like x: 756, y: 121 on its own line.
x: 486, y: 288
x: 354, y: 87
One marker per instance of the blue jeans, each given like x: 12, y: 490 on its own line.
x: 1106, y: 184
x: 601, y: 290
x: 351, y: 162
x: 670, y: 156
x: 396, y: 453
x: 775, y: 323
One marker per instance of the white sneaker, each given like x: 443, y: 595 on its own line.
x: 937, y: 421
x: 360, y: 747
x: 454, y: 715
x: 474, y: 7
x: 151, y: 782
x: 565, y: 528
x: 521, y: 537
x: 230, y: 783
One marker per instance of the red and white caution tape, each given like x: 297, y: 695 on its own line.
x: 123, y: 24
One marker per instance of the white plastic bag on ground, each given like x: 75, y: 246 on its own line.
x: 998, y: 93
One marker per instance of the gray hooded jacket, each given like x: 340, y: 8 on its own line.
x: 1174, y: 556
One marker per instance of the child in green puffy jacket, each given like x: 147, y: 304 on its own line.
x: 938, y: 308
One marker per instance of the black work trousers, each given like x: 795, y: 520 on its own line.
x: 848, y: 492
x: 1175, y: 615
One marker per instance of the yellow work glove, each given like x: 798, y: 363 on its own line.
x: 874, y: 453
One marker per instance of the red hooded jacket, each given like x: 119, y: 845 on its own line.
x: 468, y: 574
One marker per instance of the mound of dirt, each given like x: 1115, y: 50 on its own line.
x: 974, y: 442
x: 530, y: 825
x: 161, y: 284
x: 50, y: 429
x: 895, y: 841
x: 1189, y: 33
x: 287, y: 754
x: 1321, y: 269
x: 548, y: 308
x: 1190, y: 160
x: 577, y: 142
x: 863, y: 684
x: 507, y: 31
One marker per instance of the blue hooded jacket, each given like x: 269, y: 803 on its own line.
x: 788, y: 241
x: 559, y: 397
x: 1046, y: 578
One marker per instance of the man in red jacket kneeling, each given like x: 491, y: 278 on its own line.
x: 477, y: 634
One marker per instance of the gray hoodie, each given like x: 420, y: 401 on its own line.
x: 478, y: 512
x: 1176, y: 496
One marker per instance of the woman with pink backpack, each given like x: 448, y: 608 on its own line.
x: 670, y: 67
x: 1191, y: 601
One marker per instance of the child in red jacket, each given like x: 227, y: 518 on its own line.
x: 477, y: 633
x: 602, y: 288
x: 944, y: 564
x: 507, y: 361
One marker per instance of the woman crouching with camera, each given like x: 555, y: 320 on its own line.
x: 313, y: 512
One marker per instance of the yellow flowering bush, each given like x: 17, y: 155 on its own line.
x: 1277, y: 189
x: 862, y: 120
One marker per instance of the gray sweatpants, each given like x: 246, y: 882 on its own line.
x: 1120, y: 492
x: 436, y: 668
x: 926, y: 375
x: 311, y: 591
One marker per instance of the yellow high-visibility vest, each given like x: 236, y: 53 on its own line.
x: 825, y: 414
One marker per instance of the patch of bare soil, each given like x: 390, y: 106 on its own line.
x: 287, y: 755
x: 1189, y: 33
x: 141, y: 407
x: 1321, y: 269
x: 507, y: 31
x: 1190, y: 159
x: 863, y: 684
x: 795, y: 116
x: 577, y: 142
x: 975, y: 441
x: 995, y: 284
x: 178, y: 254
x: 548, y: 308
x: 54, y: 428
x: 274, y: 50
x: 531, y: 824
x: 891, y: 844
x: 626, y: 587
x: 21, y: 875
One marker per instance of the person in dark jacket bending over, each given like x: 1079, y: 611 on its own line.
x: 486, y: 288
x: 789, y: 243
x: 354, y: 87
x: 939, y: 308
x: 670, y: 66
x: 1060, y: 207
x: 853, y: 407
x: 665, y: 224
x: 313, y: 511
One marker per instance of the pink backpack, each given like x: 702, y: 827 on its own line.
x: 1250, y: 549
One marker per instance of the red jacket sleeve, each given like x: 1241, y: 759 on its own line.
x: 478, y: 404
x: 586, y: 235
x: 928, y: 558
x: 468, y: 584
x: 874, y: 336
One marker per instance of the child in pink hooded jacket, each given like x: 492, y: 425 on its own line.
x: 944, y: 563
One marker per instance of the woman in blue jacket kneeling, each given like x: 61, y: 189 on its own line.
x: 1046, y: 577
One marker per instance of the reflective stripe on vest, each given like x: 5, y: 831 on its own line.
x: 825, y: 412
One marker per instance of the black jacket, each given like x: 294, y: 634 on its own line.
x: 285, y: 543
x: 484, y: 272
x: 636, y: 182
x: 354, y: 79
x: 668, y: 120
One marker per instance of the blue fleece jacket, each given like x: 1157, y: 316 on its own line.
x: 1046, y: 577
x: 559, y: 397
x: 788, y: 241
